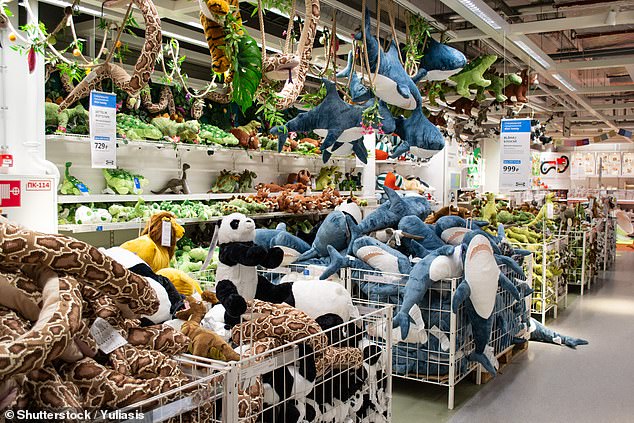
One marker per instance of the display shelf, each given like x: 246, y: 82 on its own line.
x: 210, y: 149
x: 120, y: 226
x: 401, y: 162
x: 582, y: 258
x: 109, y: 198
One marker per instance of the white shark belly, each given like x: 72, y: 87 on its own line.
x: 378, y: 259
x: 440, y: 75
x: 385, y: 89
x: 454, y: 236
x: 349, y: 135
x: 482, y: 273
x: 422, y: 152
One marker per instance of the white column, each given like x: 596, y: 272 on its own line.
x: 368, y: 171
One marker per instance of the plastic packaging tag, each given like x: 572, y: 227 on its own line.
x: 82, y: 188
x: 107, y: 338
x: 550, y: 211
x: 166, y: 233
x: 137, y: 184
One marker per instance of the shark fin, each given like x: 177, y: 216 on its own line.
x: 360, y: 151
x: 330, y: 139
x: 507, y: 285
x: 337, y: 262
x: 462, y: 293
x: 345, y: 73
x: 402, y: 320
x: 281, y: 226
x: 392, y: 196
x: 500, y: 259
x: 483, y: 359
x: 312, y: 253
x: 402, y: 148
x: 403, y: 90
x: 325, y: 155
x: 282, y: 134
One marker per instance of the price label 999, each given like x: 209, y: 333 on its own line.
x: 510, y: 168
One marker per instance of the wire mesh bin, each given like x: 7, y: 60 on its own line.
x: 582, y: 254
x: 610, y: 242
x: 439, y: 341
x: 197, y: 400
x: 547, y: 262
x: 341, y: 374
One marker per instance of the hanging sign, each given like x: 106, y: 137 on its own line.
x: 103, y: 129
x: 515, y: 154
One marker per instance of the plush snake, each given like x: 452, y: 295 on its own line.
x: 294, y: 86
x: 131, y: 84
x: 166, y: 101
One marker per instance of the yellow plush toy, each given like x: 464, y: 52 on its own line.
x: 148, y: 246
x: 183, y: 283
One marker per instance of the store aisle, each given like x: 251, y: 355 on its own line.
x: 550, y: 383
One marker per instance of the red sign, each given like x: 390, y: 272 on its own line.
x: 10, y: 194
x: 38, y: 185
x: 6, y: 160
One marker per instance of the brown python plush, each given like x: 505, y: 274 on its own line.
x: 293, y: 87
x: 131, y: 84
x: 166, y: 101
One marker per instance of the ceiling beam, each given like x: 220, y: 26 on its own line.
x: 619, y: 106
x: 577, y: 22
x: 596, y: 63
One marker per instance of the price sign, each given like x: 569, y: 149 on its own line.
x: 103, y: 129
x: 515, y: 156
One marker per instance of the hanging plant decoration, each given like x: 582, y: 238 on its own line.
x: 247, y: 68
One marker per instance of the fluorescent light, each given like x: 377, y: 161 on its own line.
x: 532, y: 53
x: 184, y: 38
x: 493, y: 23
x: 86, y: 10
x: 564, y: 82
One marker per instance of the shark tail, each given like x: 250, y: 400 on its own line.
x: 355, y: 233
x: 345, y: 73
x: 483, y: 359
x: 281, y: 139
x: 573, y: 342
x: 402, y: 320
x: 402, y: 148
x: 337, y: 262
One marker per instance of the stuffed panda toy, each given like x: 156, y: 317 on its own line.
x: 237, y: 273
x: 170, y: 300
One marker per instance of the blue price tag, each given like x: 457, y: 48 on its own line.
x: 82, y: 188
x: 99, y: 228
x: 137, y: 184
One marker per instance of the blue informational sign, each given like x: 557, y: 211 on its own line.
x: 515, y: 154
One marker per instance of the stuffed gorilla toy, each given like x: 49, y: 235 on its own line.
x: 237, y: 274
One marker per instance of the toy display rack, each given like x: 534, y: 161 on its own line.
x: 197, y: 401
x: 582, y: 258
x: 607, y: 253
x: 554, y: 294
x: 332, y: 388
x: 442, y: 360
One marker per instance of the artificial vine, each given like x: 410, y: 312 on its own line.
x: 267, y: 95
x: 418, y: 32
x: 312, y: 100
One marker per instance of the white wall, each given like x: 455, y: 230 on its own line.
x: 491, y: 150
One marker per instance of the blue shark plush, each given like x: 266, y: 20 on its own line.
x: 418, y: 238
x: 439, y: 62
x: 380, y: 256
x: 541, y: 333
x: 392, y: 84
x: 478, y: 291
x: 390, y: 213
x: 291, y: 245
x: 263, y: 237
x: 358, y: 92
x: 418, y: 135
x: 442, y: 263
x: 335, y: 231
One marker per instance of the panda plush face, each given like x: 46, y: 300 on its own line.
x: 236, y: 227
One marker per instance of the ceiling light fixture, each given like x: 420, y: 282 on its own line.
x: 493, y: 23
x: 611, y: 18
x: 532, y: 53
x: 564, y: 82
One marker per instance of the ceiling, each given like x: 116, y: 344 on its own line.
x: 582, y: 49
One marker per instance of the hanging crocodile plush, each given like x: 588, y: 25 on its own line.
x: 498, y: 85
x: 520, y: 91
x: 186, y: 131
x: 439, y: 62
x: 473, y: 74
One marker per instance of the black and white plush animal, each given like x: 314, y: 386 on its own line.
x: 237, y: 268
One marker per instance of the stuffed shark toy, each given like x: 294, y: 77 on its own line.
x: 340, y: 120
x: 392, y: 84
x: 418, y: 135
x: 335, y: 231
x: 390, y: 213
x: 478, y: 292
x: 358, y: 92
x: 439, y: 62
x: 291, y: 245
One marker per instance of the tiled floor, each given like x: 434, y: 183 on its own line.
x: 549, y: 383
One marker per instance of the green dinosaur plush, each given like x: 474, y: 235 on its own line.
x: 227, y: 182
x: 72, y: 185
x: 489, y: 211
x: 473, y: 74
x: 251, y: 127
x: 328, y: 178
x: 245, y: 183
x: 210, y: 134
x: 59, y: 121
x: 498, y: 84
x: 186, y: 131
x: 133, y: 128
x: 124, y: 182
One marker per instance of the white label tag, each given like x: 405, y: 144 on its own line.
x: 103, y: 129
x: 550, y: 211
x: 166, y: 233
x: 442, y: 337
x: 107, y: 338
